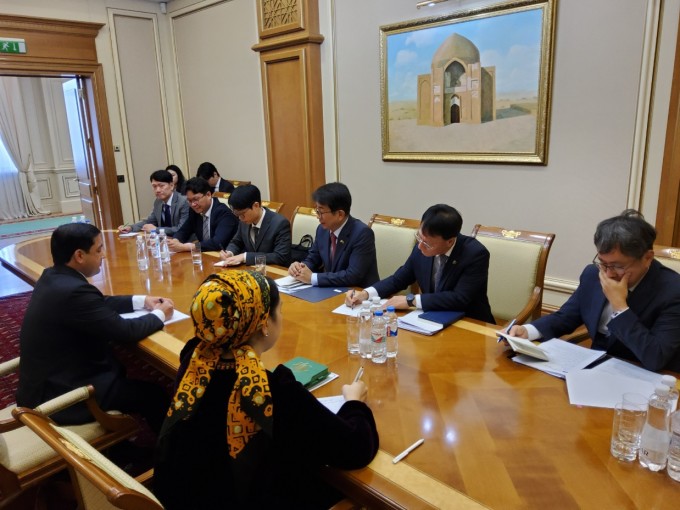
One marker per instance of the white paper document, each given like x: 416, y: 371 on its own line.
x: 411, y: 322
x: 333, y: 403
x: 624, y: 369
x: 563, y: 357
x: 597, y: 388
x: 348, y: 310
x: 289, y: 285
x: 176, y: 316
x: 523, y: 346
x: 124, y: 235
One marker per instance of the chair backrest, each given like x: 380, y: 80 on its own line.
x: 26, y: 461
x: 516, y: 271
x: 238, y: 183
x: 273, y: 206
x: 394, y: 241
x: 304, y: 221
x: 222, y: 197
x: 97, y: 481
x: 668, y: 256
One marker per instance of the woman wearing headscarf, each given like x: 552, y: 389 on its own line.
x: 239, y: 436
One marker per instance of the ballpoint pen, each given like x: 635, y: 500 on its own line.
x: 351, y: 298
x: 360, y: 372
x: 507, y: 329
x: 408, y: 450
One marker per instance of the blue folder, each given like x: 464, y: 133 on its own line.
x: 316, y: 294
x: 445, y: 318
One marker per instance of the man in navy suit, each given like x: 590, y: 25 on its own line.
x: 260, y: 231
x: 208, y: 172
x: 210, y: 220
x: 343, y: 252
x: 450, y: 268
x: 170, y: 209
x: 69, y: 328
x: 629, y: 302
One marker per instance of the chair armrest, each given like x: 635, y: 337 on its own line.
x: 9, y: 366
x: 66, y: 400
x: 531, y: 310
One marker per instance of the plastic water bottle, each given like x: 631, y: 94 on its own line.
x: 673, y: 393
x: 375, y: 305
x: 163, y: 244
x: 391, y: 332
x: 673, y: 467
x: 82, y: 219
x: 378, y: 343
x: 656, y: 432
x: 74, y: 219
x: 154, y: 248
x: 365, y: 329
x: 142, y: 258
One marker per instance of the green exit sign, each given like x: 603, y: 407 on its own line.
x: 8, y: 45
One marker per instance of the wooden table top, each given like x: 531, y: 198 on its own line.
x: 497, y: 434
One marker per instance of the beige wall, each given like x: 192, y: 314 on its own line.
x: 601, y: 126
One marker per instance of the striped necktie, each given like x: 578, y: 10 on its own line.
x: 206, y: 228
x: 253, y: 234
x: 167, y: 221
x: 439, y: 263
x: 334, y: 240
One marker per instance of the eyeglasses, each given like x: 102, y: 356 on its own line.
x: 619, y: 270
x: 420, y: 241
x: 195, y: 199
x: 240, y: 214
x: 320, y: 213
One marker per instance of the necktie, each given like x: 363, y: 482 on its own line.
x: 167, y: 221
x: 439, y: 263
x: 206, y: 228
x: 334, y: 240
x: 253, y: 233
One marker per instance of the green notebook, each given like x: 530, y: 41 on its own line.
x: 306, y: 371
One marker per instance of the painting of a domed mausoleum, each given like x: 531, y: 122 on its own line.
x: 469, y: 87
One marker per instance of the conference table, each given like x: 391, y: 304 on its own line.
x: 497, y: 434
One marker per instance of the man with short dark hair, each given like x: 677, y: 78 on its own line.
x: 260, y: 231
x: 208, y: 172
x: 170, y: 209
x: 628, y: 301
x: 68, y: 330
x: 343, y: 252
x: 451, y: 269
x: 209, y: 220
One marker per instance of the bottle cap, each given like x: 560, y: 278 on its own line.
x: 376, y: 299
x: 390, y: 308
x: 662, y: 390
x: 161, y: 231
x: 366, y: 303
x: 378, y: 313
x: 669, y: 380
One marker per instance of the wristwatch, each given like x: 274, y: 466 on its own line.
x: 410, y: 300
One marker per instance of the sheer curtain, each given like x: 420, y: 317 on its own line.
x: 14, y: 136
x: 11, y: 199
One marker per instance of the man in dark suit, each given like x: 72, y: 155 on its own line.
x: 629, y: 302
x: 343, y: 252
x: 68, y: 330
x: 260, y: 231
x: 210, y: 220
x: 450, y: 268
x: 208, y: 172
x: 170, y: 209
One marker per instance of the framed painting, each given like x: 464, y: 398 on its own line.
x: 469, y: 86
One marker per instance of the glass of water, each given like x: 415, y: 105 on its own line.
x: 196, y: 257
x: 261, y: 264
x: 626, y: 430
x: 353, y: 328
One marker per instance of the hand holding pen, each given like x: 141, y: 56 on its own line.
x: 507, y: 330
x: 357, y: 390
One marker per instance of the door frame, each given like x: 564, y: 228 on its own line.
x: 66, y: 49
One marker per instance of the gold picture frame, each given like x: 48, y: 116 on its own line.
x: 471, y: 86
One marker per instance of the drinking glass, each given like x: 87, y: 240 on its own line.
x: 353, y: 327
x: 261, y: 264
x: 626, y: 430
x: 196, y: 254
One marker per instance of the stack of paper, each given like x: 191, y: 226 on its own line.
x: 412, y: 322
x: 563, y: 357
x: 289, y: 285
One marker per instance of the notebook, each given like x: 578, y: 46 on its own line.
x: 443, y: 317
x: 522, y: 346
x: 306, y: 371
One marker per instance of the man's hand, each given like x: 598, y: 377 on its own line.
x: 125, y: 229
x: 235, y: 260
x: 149, y: 227
x: 353, y: 297
x: 176, y: 246
x: 152, y: 302
x: 398, y: 302
x: 167, y: 307
x: 519, y: 332
x: 300, y: 272
x: 616, y: 292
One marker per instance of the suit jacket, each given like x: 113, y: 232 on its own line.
x: 648, y: 332
x: 179, y: 212
x: 462, y: 286
x: 65, y: 339
x: 355, y: 263
x: 273, y: 240
x: 223, y: 225
x: 225, y: 186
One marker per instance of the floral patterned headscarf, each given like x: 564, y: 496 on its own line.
x: 227, y: 309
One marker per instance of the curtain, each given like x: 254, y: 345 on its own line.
x: 11, y: 199
x: 15, y: 138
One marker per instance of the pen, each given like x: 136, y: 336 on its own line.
x: 351, y: 298
x: 512, y: 323
x: 408, y: 450
x: 360, y: 372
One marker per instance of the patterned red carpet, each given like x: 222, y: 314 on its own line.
x: 12, y: 309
